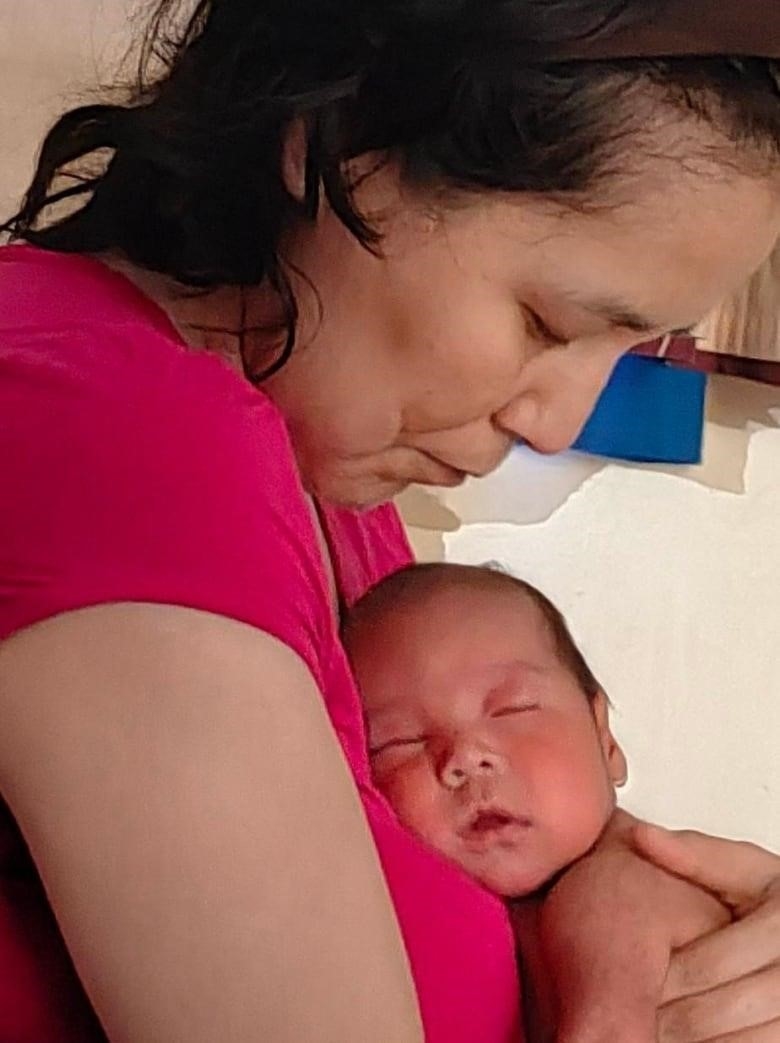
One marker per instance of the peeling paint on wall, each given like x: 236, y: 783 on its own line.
x: 528, y: 489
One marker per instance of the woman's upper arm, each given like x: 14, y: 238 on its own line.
x: 198, y: 833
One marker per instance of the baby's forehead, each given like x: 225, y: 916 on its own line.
x: 482, y: 616
x: 479, y: 593
x: 457, y: 689
x: 467, y: 625
x: 457, y: 628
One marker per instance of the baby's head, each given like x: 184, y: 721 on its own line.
x: 489, y: 735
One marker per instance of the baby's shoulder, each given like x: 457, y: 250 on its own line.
x: 625, y: 885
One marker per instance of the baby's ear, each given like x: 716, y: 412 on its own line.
x: 614, y: 758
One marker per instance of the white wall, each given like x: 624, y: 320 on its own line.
x: 51, y: 55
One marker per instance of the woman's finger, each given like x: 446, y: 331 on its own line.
x: 739, y: 874
x: 769, y: 1033
x: 728, y: 954
x: 731, y: 1012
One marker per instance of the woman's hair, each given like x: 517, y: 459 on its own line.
x: 182, y: 174
x: 410, y: 586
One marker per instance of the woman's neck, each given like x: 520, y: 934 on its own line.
x: 210, y: 320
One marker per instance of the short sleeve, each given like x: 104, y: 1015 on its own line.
x: 134, y: 469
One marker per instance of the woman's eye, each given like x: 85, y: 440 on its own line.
x: 541, y: 330
x: 511, y: 711
x: 397, y: 744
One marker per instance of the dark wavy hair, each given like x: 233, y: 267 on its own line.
x: 181, y: 174
x: 411, y: 585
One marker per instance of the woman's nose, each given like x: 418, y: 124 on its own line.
x: 466, y: 762
x: 558, y: 392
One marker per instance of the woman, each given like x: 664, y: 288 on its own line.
x: 336, y: 248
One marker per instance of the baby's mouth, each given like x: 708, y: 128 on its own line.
x: 488, y: 821
x: 485, y: 823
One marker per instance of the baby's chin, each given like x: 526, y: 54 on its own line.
x: 511, y: 880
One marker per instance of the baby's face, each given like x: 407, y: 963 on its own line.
x: 481, y: 740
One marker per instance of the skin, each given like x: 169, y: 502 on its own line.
x: 471, y: 714
x: 723, y: 987
x: 427, y: 363
x: 585, y: 984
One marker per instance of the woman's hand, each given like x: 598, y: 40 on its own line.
x: 725, y: 987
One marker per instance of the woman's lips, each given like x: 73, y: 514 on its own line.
x: 451, y: 479
x: 479, y: 463
x: 445, y: 474
x: 424, y: 470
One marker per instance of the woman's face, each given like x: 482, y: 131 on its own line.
x: 496, y: 321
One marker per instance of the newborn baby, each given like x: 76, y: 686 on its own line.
x: 490, y: 737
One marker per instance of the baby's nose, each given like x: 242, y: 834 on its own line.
x: 463, y: 764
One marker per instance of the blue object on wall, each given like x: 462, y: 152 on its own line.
x: 650, y: 411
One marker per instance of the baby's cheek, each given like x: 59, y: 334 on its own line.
x: 576, y: 798
x: 585, y: 815
x: 414, y: 797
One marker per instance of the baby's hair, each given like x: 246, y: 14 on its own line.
x: 418, y: 581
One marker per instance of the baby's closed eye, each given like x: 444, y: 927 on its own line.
x: 514, y: 709
x: 397, y: 743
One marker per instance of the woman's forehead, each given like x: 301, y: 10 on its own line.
x: 662, y: 260
x: 688, y: 27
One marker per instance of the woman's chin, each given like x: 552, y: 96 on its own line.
x: 356, y: 492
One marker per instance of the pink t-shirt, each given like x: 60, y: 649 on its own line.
x: 136, y: 469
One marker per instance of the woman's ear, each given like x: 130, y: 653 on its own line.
x: 614, y: 758
x: 294, y: 153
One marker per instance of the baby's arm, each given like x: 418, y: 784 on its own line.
x: 599, y: 951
